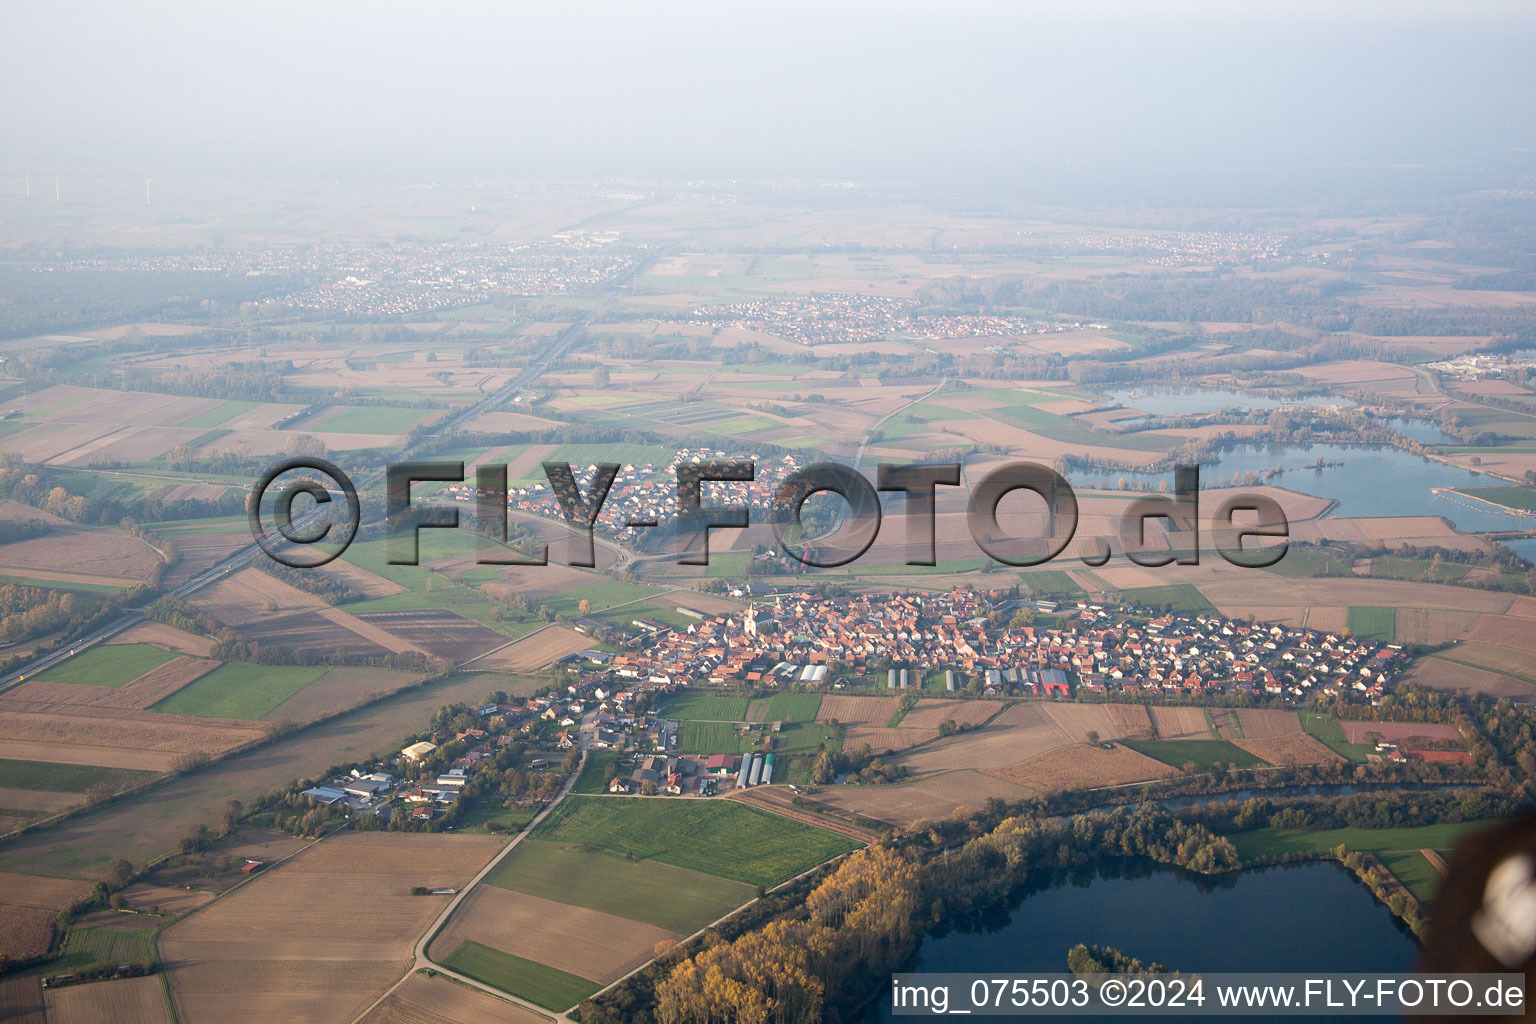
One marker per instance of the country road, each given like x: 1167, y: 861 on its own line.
x: 420, y: 952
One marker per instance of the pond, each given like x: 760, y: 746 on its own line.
x: 1365, y: 480
x: 1303, y: 917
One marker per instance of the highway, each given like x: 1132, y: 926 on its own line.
x: 241, y: 558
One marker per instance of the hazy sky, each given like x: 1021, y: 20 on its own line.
x: 946, y: 92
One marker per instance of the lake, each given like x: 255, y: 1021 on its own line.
x: 1301, y: 917
x: 1365, y: 480
x: 1167, y: 400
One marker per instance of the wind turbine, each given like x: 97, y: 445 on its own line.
x: 29, y: 184
x: 55, y: 188
x: 146, y: 189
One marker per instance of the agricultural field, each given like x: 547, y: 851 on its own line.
x: 30, y: 904
x: 1373, y: 623
x: 1327, y: 730
x: 576, y: 941
x: 935, y: 797
x: 145, y: 691
x: 1203, y: 754
x: 536, y: 651
x: 705, y: 708
x: 528, y: 979
x: 1181, y: 723
x: 1108, y: 721
x: 111, y: 665
x: 1018, y: 734
x: 1263, y: 723
x: 149, y: 825
x: 674, y: 898
x: 66, y: 778
x: 1083, y: 766
x: 793, y: 707
x: 602, y: 882
x: 424, y: 999
x: 1296, y: 748
x: 318, y: 937
x: 139, y: 1000
x: 874, y: 711
x: 1398, y: 732
x: 717, y: 837
x: 240, y: 691
x: 441, y: 633
x: 1388, y: 844
x: 103, y: 939
x: 881, y: 739
x: 930, y: 714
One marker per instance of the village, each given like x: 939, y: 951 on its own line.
x: 990, y: 644
x: 981, y: 645
x: 641, y: 495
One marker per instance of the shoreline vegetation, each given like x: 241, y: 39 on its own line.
x: 826, y: 954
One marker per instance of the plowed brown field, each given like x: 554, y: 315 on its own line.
x: 319, y: 937
x: 439, y: 1000
x: 586, y: 943
x: 858, y: 710
x: 1263, y: 723
x: 1085, y: 767
x: 930, y: 714
x: 1297, y: 748
x: 1017, y: 734
x: 1180, y: 723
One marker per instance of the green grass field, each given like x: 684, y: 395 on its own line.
x: 237, y: 690
x: 219, y: 414
x: 1327, y: 730
x: 1204, y: 753
x: 85, y: 947
x: 801, y: 707
x: 1398, y: 848
x: 706, y: 708
x: 716, y: 837
x: 66, y: 778
x: 1179, y: 597
x: 594, y: 774
x: 604, y: 595
x: 805, y: 738
x: 485, y: 810
x: 1395, y: 567
x: 713, y: 738
x: 1308, y: 560
x: 428, y: 590
x: 372, y: 419
x: 1373, y: 623
x: 551, y: 989
x: 1050, y: 581
x: 668, y: 897
x: 108, y: 665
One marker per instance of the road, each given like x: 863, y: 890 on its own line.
x: 241, y: 558
x: 420, y: 952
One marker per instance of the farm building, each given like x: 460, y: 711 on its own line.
x: 949, y: 680
x: 721, y: 764
x: 768, y: 770
x: 890, y: 679
x: 744, y: 777
x: 418, y: 751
